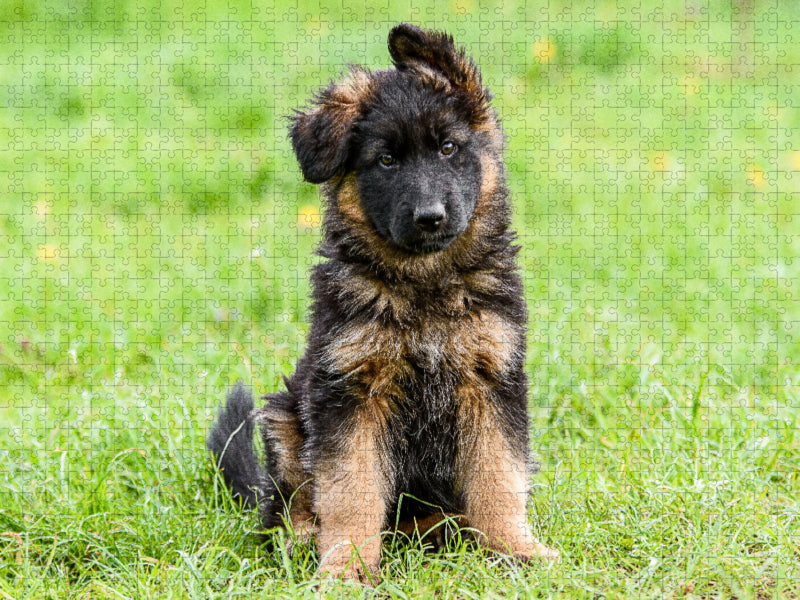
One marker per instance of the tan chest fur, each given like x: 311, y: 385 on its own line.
x: 377, y: 358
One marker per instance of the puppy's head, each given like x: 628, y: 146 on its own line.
x: 415, y: 140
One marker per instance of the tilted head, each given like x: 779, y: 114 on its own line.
x: 409, y: 153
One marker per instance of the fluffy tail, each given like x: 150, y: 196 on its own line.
x: 231, y: 442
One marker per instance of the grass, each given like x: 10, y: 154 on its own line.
x: 155, y: 238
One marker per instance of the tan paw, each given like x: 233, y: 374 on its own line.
x: 538, y: 552
x: 344, y: 563
x: 303, y: 534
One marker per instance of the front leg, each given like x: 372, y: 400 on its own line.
x: 351, y: 490
x: 493, y: 470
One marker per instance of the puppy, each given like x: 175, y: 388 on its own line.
x: 410, y: 401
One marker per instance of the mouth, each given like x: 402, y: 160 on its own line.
x: 430, y: 245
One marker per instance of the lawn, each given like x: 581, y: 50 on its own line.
x: 155, y: 241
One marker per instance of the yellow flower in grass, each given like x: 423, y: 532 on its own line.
x: 308, y: 217
x: 756, y: 177
x: 794, y: 160
x: 544, y: 50
x: 316, y: 27
x: 462, y: 7
x: 48, y: 252
x: 692, y: 84
x: 660, y: 162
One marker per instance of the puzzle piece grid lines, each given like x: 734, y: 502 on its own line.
x: 157, y: 235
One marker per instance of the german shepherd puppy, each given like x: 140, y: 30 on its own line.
x: 410, y: 402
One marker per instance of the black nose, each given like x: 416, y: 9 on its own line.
x: 429, y: 218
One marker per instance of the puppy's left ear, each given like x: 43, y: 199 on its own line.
x: 413, y: 48
x: 321, y: 137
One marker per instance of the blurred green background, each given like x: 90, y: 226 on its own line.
x: 156, y: 235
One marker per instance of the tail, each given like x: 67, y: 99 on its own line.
x: 231, y: 442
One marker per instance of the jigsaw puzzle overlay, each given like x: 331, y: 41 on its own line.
x: 156, y: 238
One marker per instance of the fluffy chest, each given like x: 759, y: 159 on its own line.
x: 479, y: 342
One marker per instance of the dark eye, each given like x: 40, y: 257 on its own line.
x: 387, y: 160
x: 448, y: 148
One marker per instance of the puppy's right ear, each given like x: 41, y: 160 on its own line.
x: 321, y: 137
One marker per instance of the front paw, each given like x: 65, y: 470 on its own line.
x: 345, y: 562
x: 537, y: 552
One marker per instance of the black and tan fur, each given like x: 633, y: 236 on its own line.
x: 413, y: 382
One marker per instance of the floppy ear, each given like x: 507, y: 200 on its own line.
x: 415, y: 48
x: 321, y: 137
